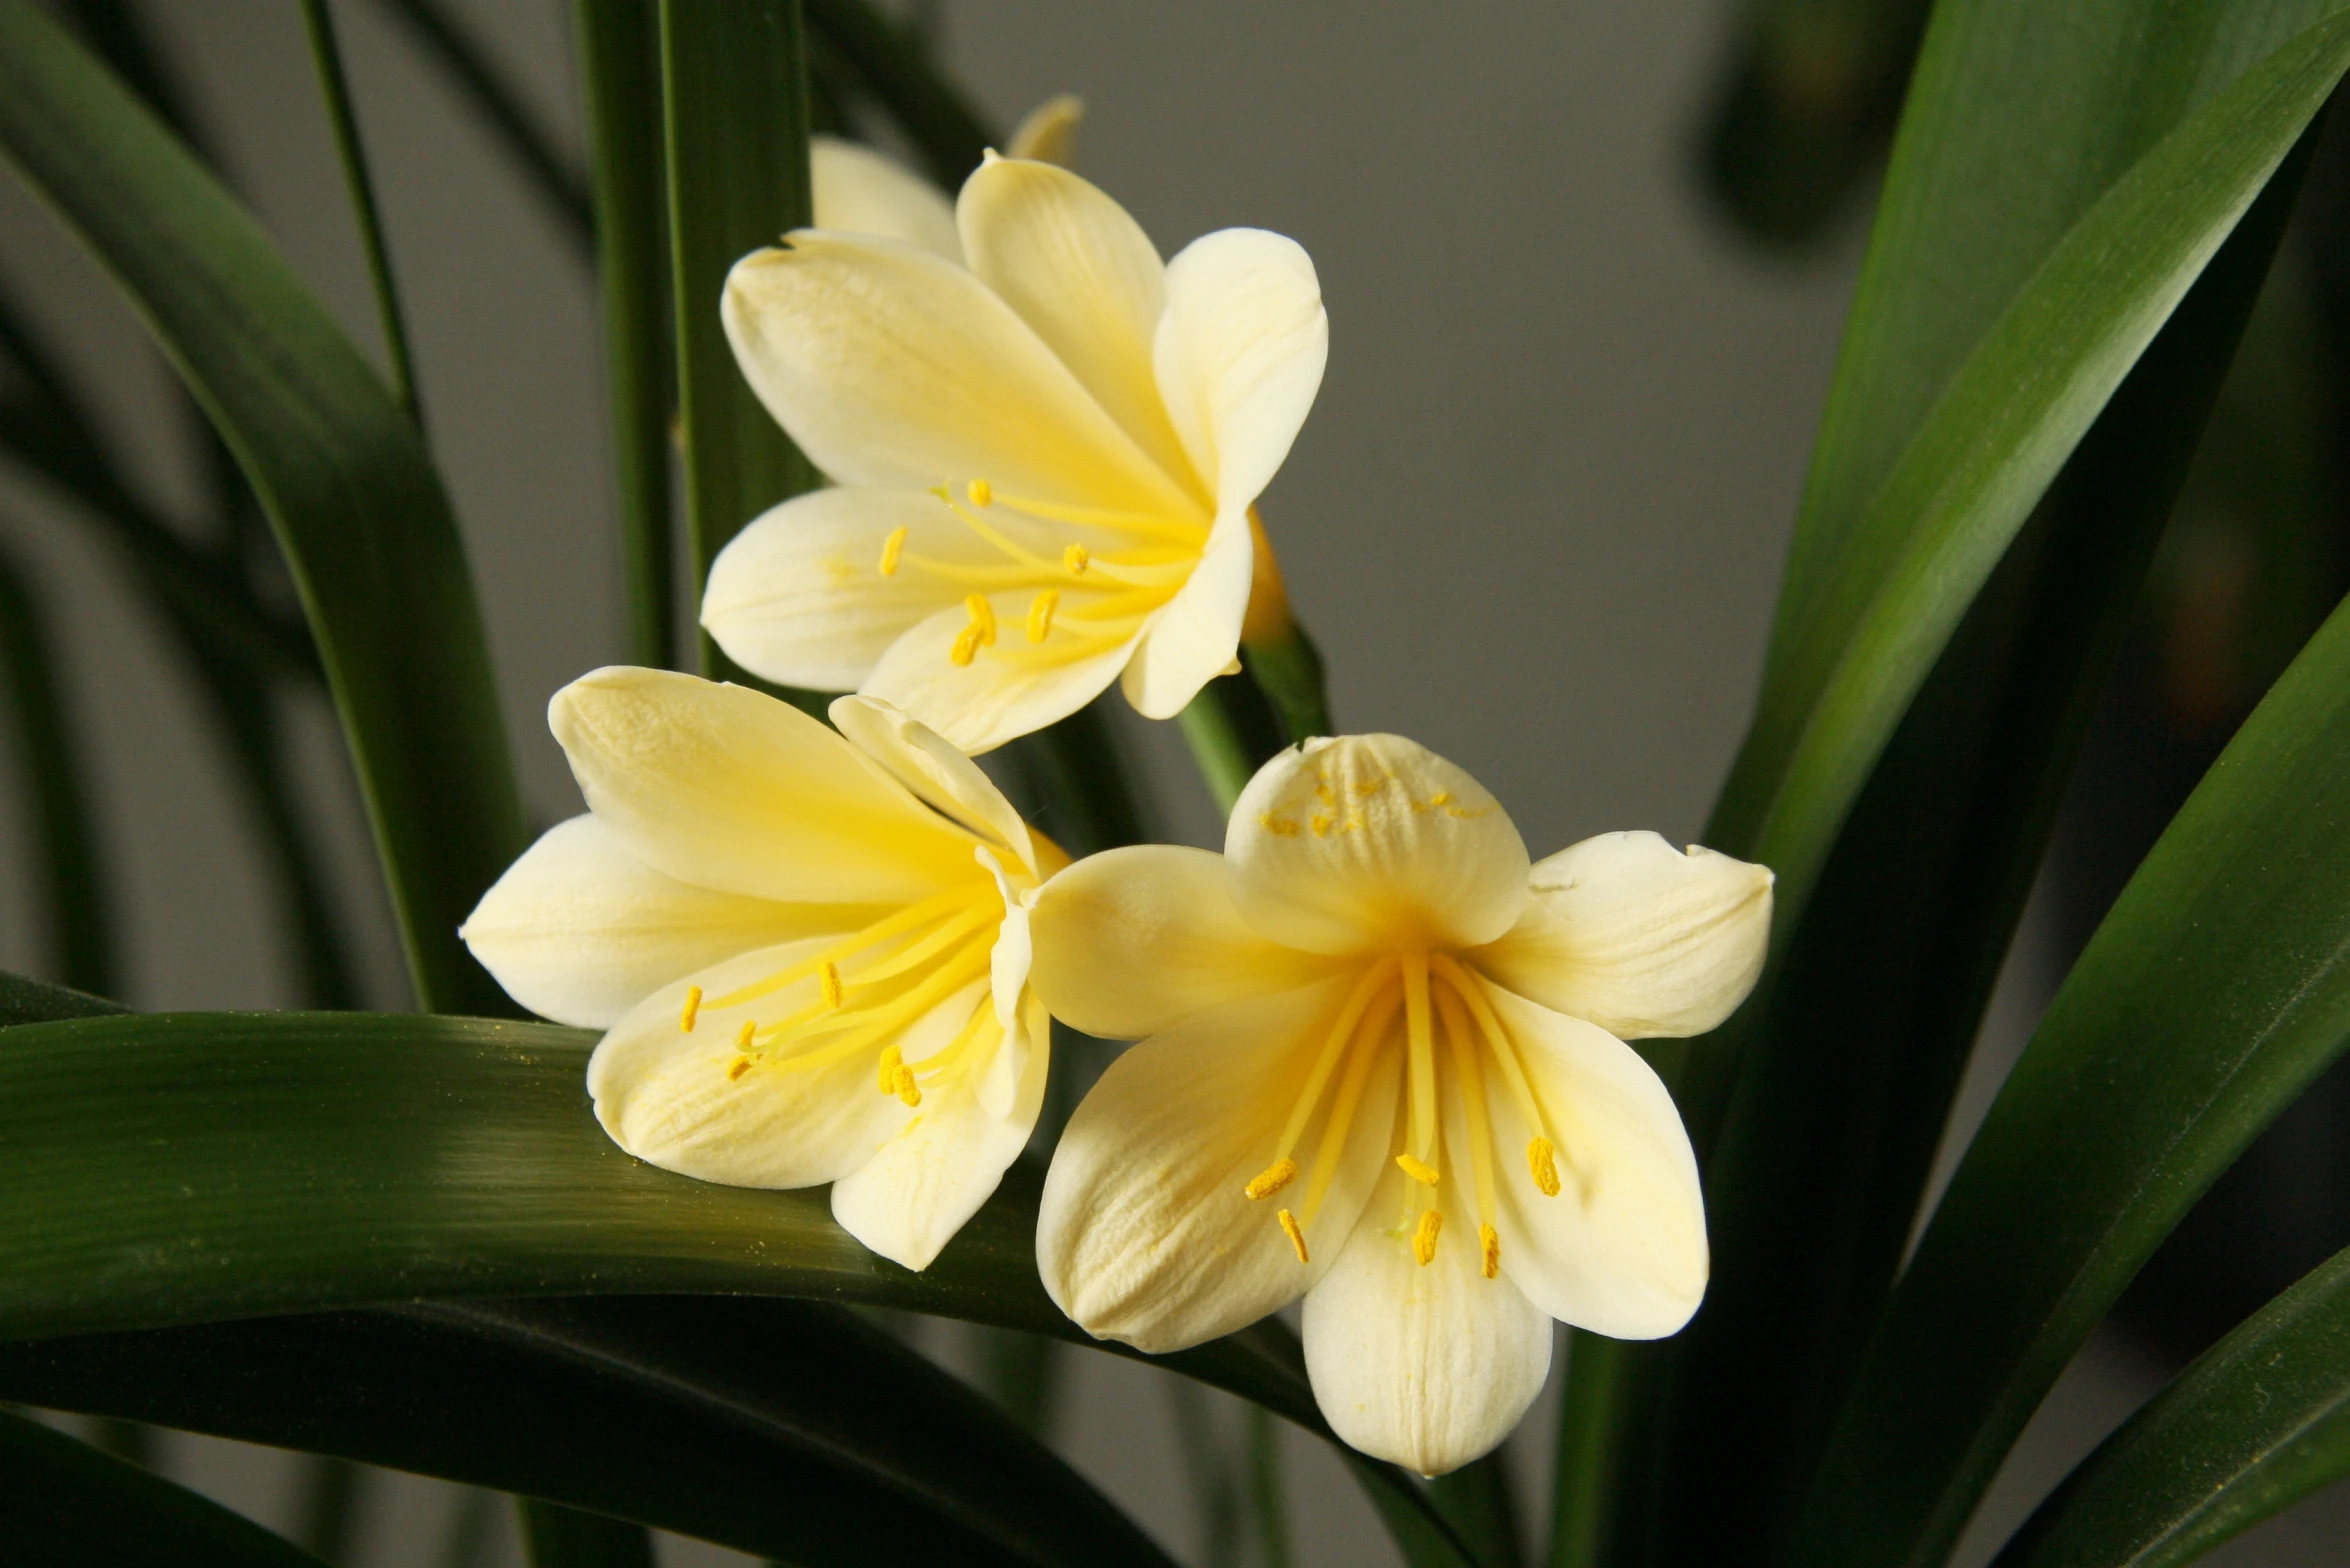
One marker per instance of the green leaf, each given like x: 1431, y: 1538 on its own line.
x: 341, y: 114
x: 782, y: 1428
x: 2260, y: 1421
x: 358, y: 510
x: 2216, y: 989
x: 62, y: 1501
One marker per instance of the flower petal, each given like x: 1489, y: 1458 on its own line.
x: 1049, y: 134
x: 1426, y: 1365
x: 1363, y: 842
x: 668, y: 1097
x: 1146, y: 1235
x: 1644, y: 941
x: 993, y: 699
x: 860, y: 191
x: 890, y: 366
x: 798, y: 597
x: 579, y: 930
x: 919, y: 758
x: 1194, y: 638
x: 1621, y: 1249
x: 1239, y: 356
x: 920, y: 1188
x: 728, y: 788
x: 1133, y: 941
x: 1081, y: 272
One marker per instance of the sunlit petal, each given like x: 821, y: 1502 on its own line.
x: 980, y: 705
x: 917, y: 757
x: 1049, y: 133
x: 1194, y: 639
x: 860, y: 191
x: 1239, y: 356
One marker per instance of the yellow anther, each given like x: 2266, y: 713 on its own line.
x: 1424, y: 1236
x: 1279, y: 827
x: 691, y: 1010
x: 982, y: 493
x: 982, y: 616
x: 1417, y: 1170
x: 829, y: 978
x: 1541, y: 1159
x: 1489, y: 1241
x: 1272, y: 1178
x: 891, y: 548
x: 1074, y: 559
x: 1322, y: 823
x: 742, y: 1065
x: 1040, y: 614
x: 1442, y: 797
x: 966, y: 647
x: 742, y: 1036
x: 1295, y: 1233
x: 891, y: 1065
x: 908, y: 1090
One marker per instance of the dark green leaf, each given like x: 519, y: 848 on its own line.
x: 341, y: 114
x: 2261, y: 1420
x: 360, y: 513
x: 62, y: 1502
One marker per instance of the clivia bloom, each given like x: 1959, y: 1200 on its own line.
x: 1384, y: 1070
x: 808, y: 950
x: 1046, y: 455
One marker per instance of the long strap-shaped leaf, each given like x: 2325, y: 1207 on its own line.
x: 2260, y: 1421
x: 62, y: 1501
x: 782, y: 1428
x: 2217, y: 988
x: 357, y: 507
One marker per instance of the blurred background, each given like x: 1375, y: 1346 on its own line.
x: 1586, y: 267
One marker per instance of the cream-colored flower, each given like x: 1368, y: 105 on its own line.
x: 859, y: 190
x: 808, y: 950
x: 1046, y: 446
x: 1383, y: 1071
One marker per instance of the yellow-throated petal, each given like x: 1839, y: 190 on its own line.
x: 920, y: 759
x: 1134, y: 941
x: 1049, y: 133
x: 921, y: 1186
x: 670, y: 1097
x: 799, y: 598
x: 1083, y: 274
x: 996, y: 697
x: 1621, y: 1249
x: 579, y: 930
x: 1368, y: 842
x: 860, y: 191
x: 890, y: 366
x: 1194, y: 639
x: 1426, y: 1365
x: 1239, y: 356
x: 1146, y: 1234
x: 728, y: 788
x: 1637, y: 937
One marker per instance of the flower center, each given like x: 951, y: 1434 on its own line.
x: 1451, y: 1035
x: 861, y: 993
x: 1083, y: 601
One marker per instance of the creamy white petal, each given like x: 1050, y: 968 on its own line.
x: 1049, y: 134
x: 1083, y: 274
x: 890, y: 366
x: 1360, y: 842
x: 994, y: 698
x: 1133, y: 941
x: 579, y: 930
x: 1195, y: 637
x: 1621, y: 1250
x: 919, y: 758
x: 860, y: 191
x: 731, y: 789
x: 798, y: 597
x: 1239, y: 356
x: 665, y: 1095
x: 1637, y: 937
x: 1426, y: 1365
x: 921, y: 1186
x: 1146, y: 1235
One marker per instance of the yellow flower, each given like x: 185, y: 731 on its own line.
x: 808, y: 950
x: 1383, y: 1070
x: 1046, y: 446
x: 860, y: 191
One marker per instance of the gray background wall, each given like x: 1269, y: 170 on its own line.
x: 1535, y: 521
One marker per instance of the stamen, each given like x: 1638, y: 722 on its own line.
x: 1371, y: 1037
x: 891, y: 548
x: 829, y: 978
x: 966, y: 647
x: 886, y: 1072
x: 982, y: 616
x: 1272, y: 1178
x: 907, y: 1089
x: 691, y: 1011
x: 1423, y: 1057
x: 1422, y: 1174
x: 1074, y: 559
x: 1489, y: 1240
x: 953, y: 901
x: 1542, y: 1160
x: 742, y: 1065
x: 1471, y: 990
x: 1296, y: 1234
x: 742, y: 1038
x: 1477, y: 1113
x: 982, y: 493
x: 1424, y: 1235
x: 1342, y: 1030
x: 1040, y: 614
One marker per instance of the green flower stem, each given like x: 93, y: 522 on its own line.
x: 1478, y: 1501
x: 335, y: 88
x: 1268, y: 1509
x: 1233, y: 731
